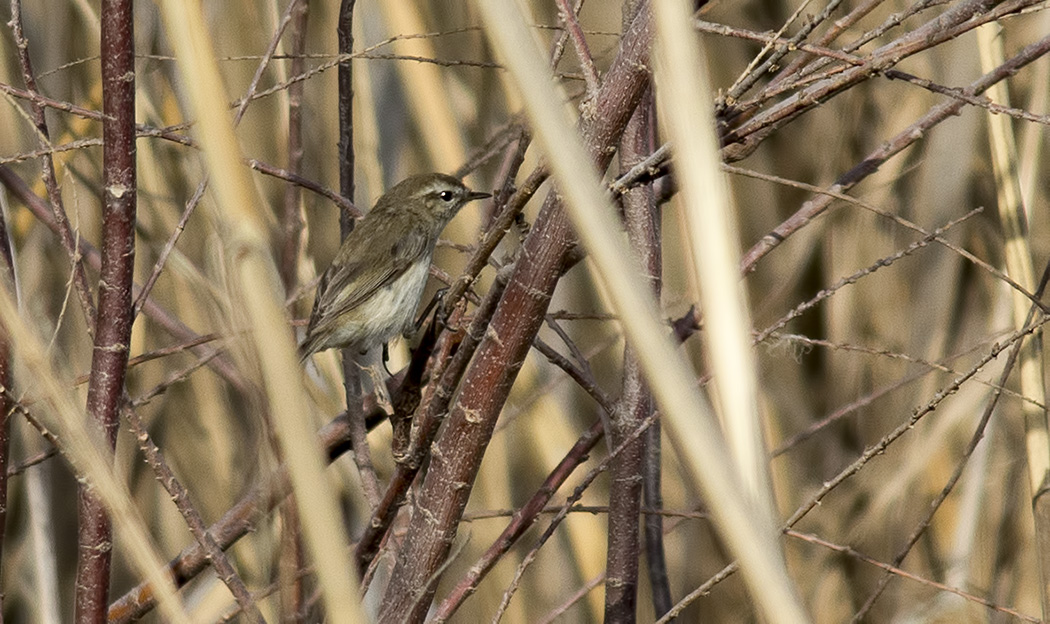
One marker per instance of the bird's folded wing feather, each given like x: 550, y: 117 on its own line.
x: 349, y: 283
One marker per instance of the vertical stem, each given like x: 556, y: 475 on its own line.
x: 113, y: 330
x: 1018, y: 257
x: 291, y: 582
x: 47, y: 166
x: 7, y: 280
x: 570, y: 18
x: 652, y: 498
x: 640, y: 214
x: 292, y: 555
x: 345, y: 34
x: 292, y: 218
x: 351, y: 368
x: 633, y: 469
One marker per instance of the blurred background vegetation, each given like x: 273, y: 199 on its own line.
x: 872, y: 353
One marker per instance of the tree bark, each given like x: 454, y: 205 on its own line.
x: 549, y: 250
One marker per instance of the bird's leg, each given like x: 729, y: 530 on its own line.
x: 385, y: 357
x: 439, y: 296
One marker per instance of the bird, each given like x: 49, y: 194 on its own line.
x: 371, y: 291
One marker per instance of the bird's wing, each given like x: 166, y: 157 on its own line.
x: 352, y: 279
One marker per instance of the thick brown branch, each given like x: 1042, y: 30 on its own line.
x: 642, y: 218
x: 548, y: 251
x: 109, y: 362
x: 523, y: 519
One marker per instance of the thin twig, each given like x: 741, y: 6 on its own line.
x: 47, y: 165
x: 967, y: 452
x: 570, y: 500
x: 181, y: 497
x: 897, y: 571
x: 571, y: 21
x: 234, y: 524
x: 869, y: 454
x: 523, y: 519
x: 754, y: 72
x: 816, y: 206
x: 881, y: 263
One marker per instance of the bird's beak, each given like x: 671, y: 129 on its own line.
x: 471, y: 196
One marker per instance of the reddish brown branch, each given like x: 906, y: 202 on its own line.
x: 548, y: 251
x: 642, y: 217
x: 109, y: 362
x: 579, y: 43
x: 292, y: 220
x: 523, y: 519
x: 345, y: 38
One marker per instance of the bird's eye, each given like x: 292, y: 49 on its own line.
x: 446, y: 196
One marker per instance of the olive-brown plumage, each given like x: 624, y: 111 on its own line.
x: 370, y: 293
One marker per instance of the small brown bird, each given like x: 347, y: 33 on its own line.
x: 370, y: 293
